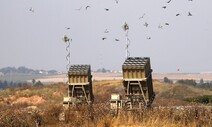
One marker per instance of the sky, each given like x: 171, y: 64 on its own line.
x: 34, y: 38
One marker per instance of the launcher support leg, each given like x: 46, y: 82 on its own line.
x: 85, y: 94
x: 139, y: 83
x: 72, y: 91
x: 128, y: 85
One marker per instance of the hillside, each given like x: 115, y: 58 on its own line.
x: 45, y: 103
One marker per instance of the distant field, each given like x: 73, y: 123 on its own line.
x: 177, y: 76
x: 111, y: 76
x: 104, y: 76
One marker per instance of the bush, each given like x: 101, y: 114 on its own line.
x: 190, y: 82
x: 51, y: 115
x: 11, y: 118
x: 200, y: 99
x: 166, y: 80
x: 207, y: 86
x: 39, y: 83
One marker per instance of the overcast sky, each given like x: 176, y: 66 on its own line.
x: 34, y: 39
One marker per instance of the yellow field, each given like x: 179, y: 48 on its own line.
x: 43, y: 105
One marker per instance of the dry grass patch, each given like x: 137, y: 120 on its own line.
x: 47, y: 112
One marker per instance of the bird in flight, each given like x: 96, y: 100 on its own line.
x: 106, y: 31
x: 31, y: 9
x: 104, y: 38
x: 142, y: 16
x: 177, y: 14
x: 160, y: 27
x: 67, y: 28
x: 166, y: 23
x: 116, y: 39
x: 169, y: 1
x: 189, y: 14
x: 106, y: 9
x: 148, y: 38
x: 79, y: 9
x: 164, y: 7
x: 86, y: 8
x: 146, y: 24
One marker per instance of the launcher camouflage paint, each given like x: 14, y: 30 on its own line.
x: 79, y: 85
x: 137, y: 82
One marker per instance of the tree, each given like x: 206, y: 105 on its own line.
x: 33, y: 81
x: 103, y: 70
x: 166, y: 80
x: 5, y: 84
x: 1, y: 84
x: 19, y: 84
x: 39, y: 83
x: 201, y: 81
x: 190, y: 82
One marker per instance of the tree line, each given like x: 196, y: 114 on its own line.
x: 191, y: 82
x: 25, y: 70
x: 10, y: 84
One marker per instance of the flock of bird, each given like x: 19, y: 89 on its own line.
x: 146, y: 24
x: 166, y: 23
x: 106, y: 9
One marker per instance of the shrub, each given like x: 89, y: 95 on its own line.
x: 166, y: 80
x: 200, y: 99
x: 38, y: 83
x: 190, y: 82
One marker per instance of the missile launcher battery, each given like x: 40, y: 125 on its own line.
x: 137, y: 81
x: 79, y: 85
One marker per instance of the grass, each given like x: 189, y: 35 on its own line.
x: 48, y: 112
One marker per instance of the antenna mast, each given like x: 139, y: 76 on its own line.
x: 126, y: 29
x: 67, y: 40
